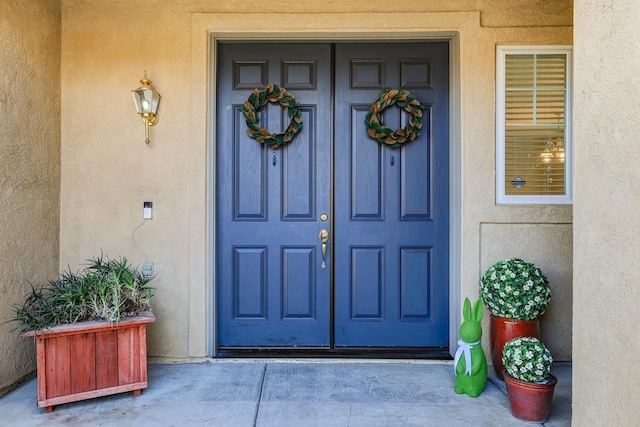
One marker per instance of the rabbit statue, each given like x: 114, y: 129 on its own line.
x: 470, y: 362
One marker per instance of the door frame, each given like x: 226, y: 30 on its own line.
x: 455, y: 177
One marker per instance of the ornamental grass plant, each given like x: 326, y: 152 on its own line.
x: 527, y: 359
x: 106, y: 289
x: 515, y: 289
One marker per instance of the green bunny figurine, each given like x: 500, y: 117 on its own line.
x: 470, y: 363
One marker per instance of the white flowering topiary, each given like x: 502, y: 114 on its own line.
x: 527, y: 359
x: 515, y: 289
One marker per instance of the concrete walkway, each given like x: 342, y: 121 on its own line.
x: 300, y: 392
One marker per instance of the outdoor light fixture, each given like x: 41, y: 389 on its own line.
x: 146, y: 99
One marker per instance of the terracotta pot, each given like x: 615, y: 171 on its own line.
x: 530, y: 401
x: 504, y: 330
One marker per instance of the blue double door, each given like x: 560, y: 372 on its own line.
x: 382, y: 278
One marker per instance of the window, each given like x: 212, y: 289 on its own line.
x: 533, y: 146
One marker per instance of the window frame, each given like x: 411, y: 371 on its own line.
x: 501, y: 197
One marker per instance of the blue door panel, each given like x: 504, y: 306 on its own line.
x: 272, y: 291
x: 299, y: 283
x: 366, y: 174
x: 415, y: 181
x: 393, y: 202
x: 367, y: 297
x: 249, y: 283
x: 386, y: 278
x: 299, y: 179
x: 415, y: 283
x: 250, y: 178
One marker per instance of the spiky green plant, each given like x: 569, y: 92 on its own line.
x: 106, y: 289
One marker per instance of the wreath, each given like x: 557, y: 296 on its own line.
x: 405, y: 100
x: 257, y: 100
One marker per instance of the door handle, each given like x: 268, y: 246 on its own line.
x: 324, y: 238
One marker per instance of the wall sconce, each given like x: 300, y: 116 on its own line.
x: 146, y: 99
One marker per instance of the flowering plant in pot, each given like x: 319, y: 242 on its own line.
x: 530, y: 384
x: 516, y: 293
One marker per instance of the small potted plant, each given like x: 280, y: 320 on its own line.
x: 516, y: 293
x: 530, y: 384
x: 90, y: 331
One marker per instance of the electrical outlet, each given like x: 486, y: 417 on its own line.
x: 147, y: 269
x: 147, y: 210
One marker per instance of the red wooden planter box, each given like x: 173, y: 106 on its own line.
x: 91, y: 359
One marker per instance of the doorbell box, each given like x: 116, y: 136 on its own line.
x: 148, y: 210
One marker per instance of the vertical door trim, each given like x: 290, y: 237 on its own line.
x: 455, y: 195
x: 455, y: 177
x: 212, y: 196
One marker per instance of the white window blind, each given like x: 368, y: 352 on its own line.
x: 532, y: 116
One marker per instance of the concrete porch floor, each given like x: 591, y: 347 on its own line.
x: 298, y: 392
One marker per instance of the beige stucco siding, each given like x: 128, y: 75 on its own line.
x: 606, y: 376
x: 29, y: 165
x: 108, y: 171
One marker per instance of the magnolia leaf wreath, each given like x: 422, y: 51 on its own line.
x: 257, y: 100
x: 405, y: 100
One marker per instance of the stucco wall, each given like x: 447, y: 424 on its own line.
x: 606, y: 377
x: 108, y: 171
x: 29, y: 165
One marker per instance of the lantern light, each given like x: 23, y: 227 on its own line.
x: 146, y: 99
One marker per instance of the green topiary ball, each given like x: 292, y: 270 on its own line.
x: 527, y: 359
x: 515, y: 289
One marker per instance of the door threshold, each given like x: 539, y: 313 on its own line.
x: 429, y: 353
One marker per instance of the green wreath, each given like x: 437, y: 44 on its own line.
x: 405, y: 100
x: 257, y: 100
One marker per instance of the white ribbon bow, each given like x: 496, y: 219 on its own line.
x: 465, y: 347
